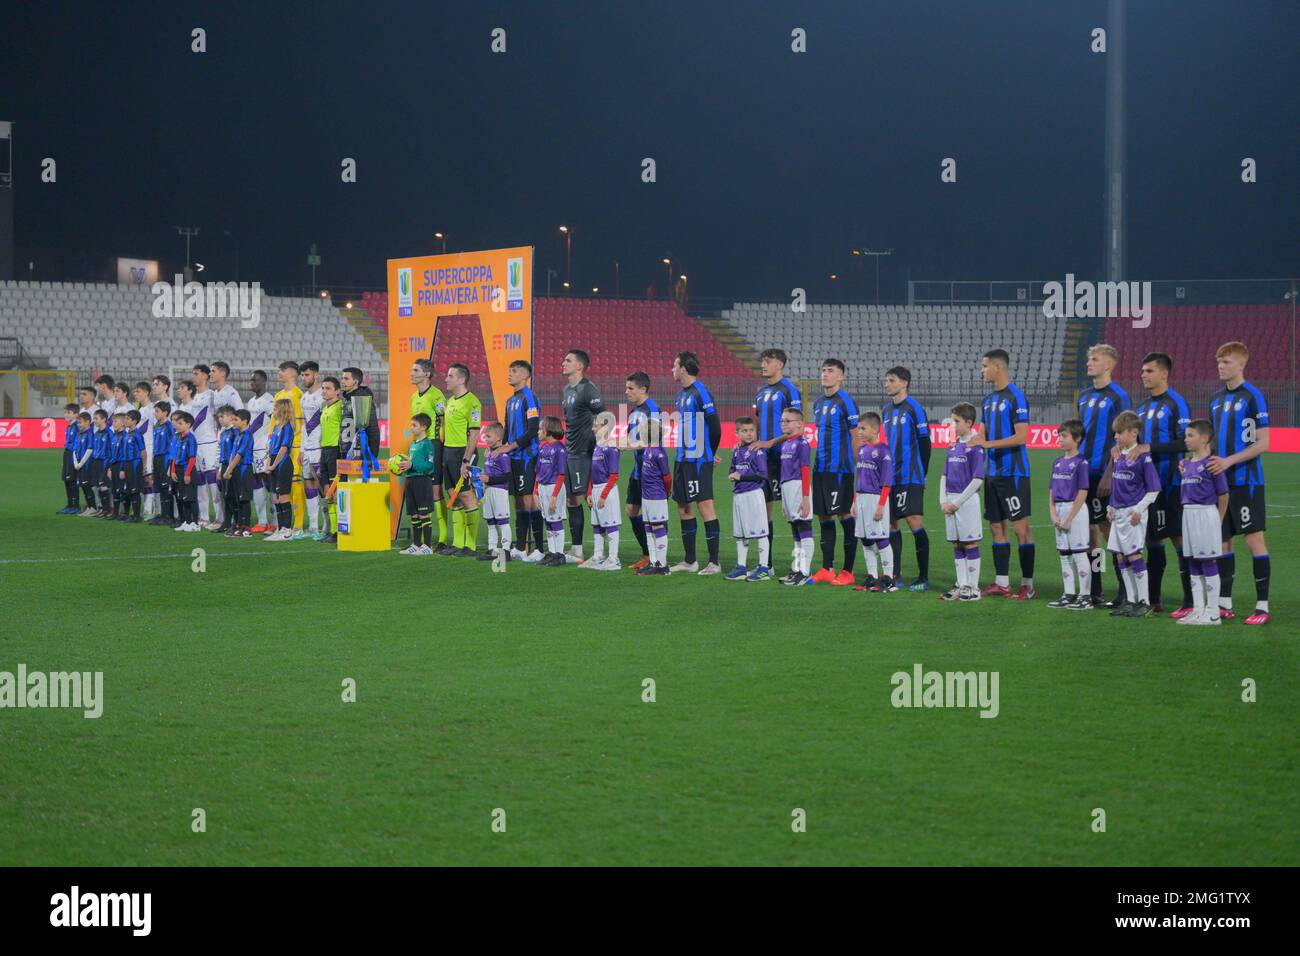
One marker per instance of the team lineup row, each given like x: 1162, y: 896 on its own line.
x: 549, y: 469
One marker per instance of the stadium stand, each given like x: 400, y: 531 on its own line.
x: 82, y: 326
x: 1191, y: 333
x: 940, y: 344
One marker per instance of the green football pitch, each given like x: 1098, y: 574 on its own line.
x: 523, y: 692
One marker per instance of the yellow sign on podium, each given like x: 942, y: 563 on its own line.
x: 363, y: 523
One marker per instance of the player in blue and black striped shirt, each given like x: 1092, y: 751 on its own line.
x: 834, y: 464
x: 1005, y: 438
x: 1239, y: 412
x: 775, y: 395
x: 1099, y: 404
x: 68, y: 472
x: 643, y: 430
x: 908, y: 434
x: 699, y: 434
x: 523, y: 416
x: 1164, y: 418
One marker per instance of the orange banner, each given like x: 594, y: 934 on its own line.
x: 494, y: 284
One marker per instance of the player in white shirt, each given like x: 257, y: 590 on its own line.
x: 205, y: 436
x: 148, y: 491
x: 104, y: 395
x: 313, y: 400
x: 223, y: 393
x: 86, y: 399
x: 260, y: 406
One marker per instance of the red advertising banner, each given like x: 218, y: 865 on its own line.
x: 48, y: 433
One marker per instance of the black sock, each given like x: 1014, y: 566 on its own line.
x: 896, y: 546
x: 638, y: 529
x: 1001, y: 558
x: 1262, y: 569
x: 1227, y: 571
x: 828, y: 544
x: 713, y: 538
x: 70, y: 491
x: 688, y: 538
x: 246, y: 513
x: 575, y: 525
x: 522, y: 526
x: 539, y: 533
x: 285, y: 513
x: 769, y: 535
x: 922, y: 540
x: 166, y: 511
x: 1094, y: 557
x: 1027, y: 552
x: 1185, y: 576
x: 1157, y: 561
x: 850, y: 543
x: 1122, y: 591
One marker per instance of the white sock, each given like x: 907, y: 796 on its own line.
x: 1083, y: 567
x: 1200, y: 588
x: 869, y: 560
x: 554, y: 540
x: 1002, y: 580
x: 742, y: 553
x: 491, y: 536
x: 764, y: 552
x: 1261, y: 606
x: 1067, y: 575
x: 661, y: 550
x: 218, y: 509
x: 1130, y: 585
x: 886, y: 560
x: 1212, y: 599
x: 1143, y: 586
x: 806, y: 553
x: 973, y: 572
x: 597, y: 545
x: 313, y: 514
x: 504, y: 536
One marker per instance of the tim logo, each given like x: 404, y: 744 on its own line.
x: 412, y: 343
x: 515, y: 284
x: 11, y: 434
x: 404, y: 297
x: 137, y: 275
x: 501, y: 341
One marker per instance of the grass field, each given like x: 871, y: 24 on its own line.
x: 523, y: 691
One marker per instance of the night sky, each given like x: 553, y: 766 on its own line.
x: 771, y: 164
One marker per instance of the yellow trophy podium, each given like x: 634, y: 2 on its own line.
x: 362, y: 507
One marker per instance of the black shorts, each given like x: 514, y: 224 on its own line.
x: 1245, y: 510
x: 634, y: 491
x: 1006, y: 499
x: 577, y: 475
x: 772, y: 487
x: 906, y: 500
x: 1165, y: 517
x: 69, y: 473
x: 452, y: 458
x: 135, y: 478
x: 831, y: 494
x: 418, y: 493
x: 188, y: 492
x: 1095, y: 503
x: 692, y: 481
x: 523, y: 476
x: 328, y: 469
x: 242, y: 484
x: 282, y: 477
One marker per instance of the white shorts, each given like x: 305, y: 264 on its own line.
x: 208, y: 456
x: 865, y: 525
x: 749, y: 514
x: 552, y: 505
x: 1077, y: 538
x: 792, y: 500
x: 608, y: 515
x: 496, y: 502
x: 654, y: 510
x: 967, y: 525
x: 1202, y: 532
x: 1126, y: 538
x: 310, y: 462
